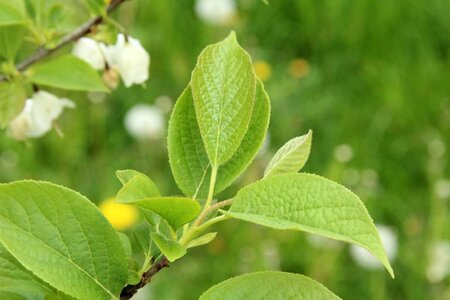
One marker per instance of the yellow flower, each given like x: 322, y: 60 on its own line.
x: 121, y: 216
x: 262, y: 69
x: 299, y: 68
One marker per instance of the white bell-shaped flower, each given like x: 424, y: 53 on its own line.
x: 130, y: 59
x: 38, y: 116
x: 145, y: 122
x: 439, y: 264
x: 90, y: 51
x: 365, y: 259
x: 216, y: 12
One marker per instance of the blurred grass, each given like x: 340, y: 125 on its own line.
x: 379, y: 81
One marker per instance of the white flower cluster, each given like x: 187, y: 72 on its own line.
x: 38, y: 116
x: 126, y: 58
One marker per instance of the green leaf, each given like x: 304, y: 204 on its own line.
x: 136, y: 186
x: 171, y: 249
x: 141, y: 234
x: 187, y: 155
x: 63, y: 238
x: 309, y: 203
x: 291, y: 157
x: 177, y: 211
x: 188, y: 158
x: 202, y: 240
x: 12, y: 101
x: 223, y: 88
x: 14, y: 278
x: 9, y: 15
x: 268, y: 285
x: 67, y: 72
x: 10, y: 40
x: 96, y: 7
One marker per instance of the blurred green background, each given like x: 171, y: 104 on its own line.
x: 370, y: 78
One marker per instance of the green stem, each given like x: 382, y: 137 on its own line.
x: 212, y: 183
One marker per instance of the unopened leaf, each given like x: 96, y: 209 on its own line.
x: 268, y: 285
x: 67, y: 72
x: 223, y: 88
x: 177, y: 211
x: 309, y: 203
x: 136, y: 186
x: 171, y: 249
x: 63, y: 239
x: 291, y: 157
x: 202, y: 240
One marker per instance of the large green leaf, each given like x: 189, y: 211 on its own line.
x: 67, y: 72
x: 136, y: 186
x: 170, y: 248
x: 62, y: 238
x: 14, y: 278
x: 188, y: 158
x: 291, y: 157
x: 9, y: 15
x: 12, y: 101
x: 223, y: 88
x: 269, y: 285
x: 309, y: 203
x: 177, y: 211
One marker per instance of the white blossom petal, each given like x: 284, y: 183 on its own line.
x: 90, y: 51
x: 130, y: 59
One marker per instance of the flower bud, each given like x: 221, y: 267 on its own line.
x: 111, y: 78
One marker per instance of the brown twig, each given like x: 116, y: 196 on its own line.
x: 129, y: 290
x: 70, y: 37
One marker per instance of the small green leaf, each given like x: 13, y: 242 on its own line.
x: 9, y: 15
x: 202, y: 240
x: 291, y: 157
x: 268, y: 285
x: 309, y: 203
x: 188, y: 158
x: 136, y: 186
x: 223, y: 88
x: 12, y: 101
x: 133, y: 267
x: 14, y: 278
x: 67, y: 72
x: 63, y: 239
x: 10, y: 42
x: 177, y: 211
x: 96, y: 7
x: 171, y: 249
